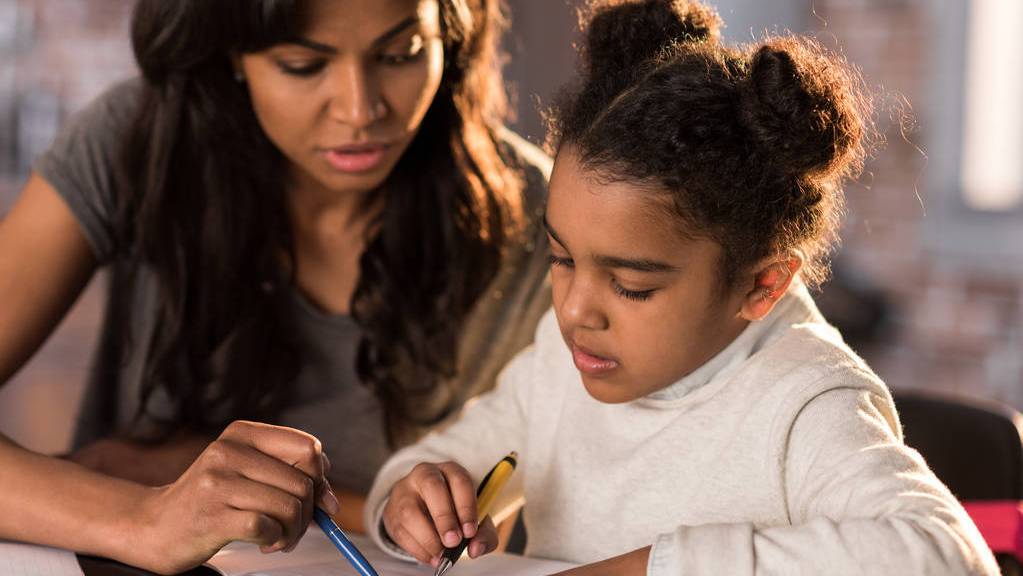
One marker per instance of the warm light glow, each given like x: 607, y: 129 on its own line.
x: 992, y: 169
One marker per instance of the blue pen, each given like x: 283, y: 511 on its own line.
x: 350, y: 552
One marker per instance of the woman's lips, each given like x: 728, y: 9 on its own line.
x: 592, y: 364
x: 356, y: 159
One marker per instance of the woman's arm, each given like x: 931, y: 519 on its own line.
x: 256, y: 483
x: 630, y: 564
x: 45, y: 262
x: 145, y: 463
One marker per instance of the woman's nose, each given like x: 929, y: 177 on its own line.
x: 355, y: 99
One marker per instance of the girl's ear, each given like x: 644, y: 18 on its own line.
x: 770, y: 282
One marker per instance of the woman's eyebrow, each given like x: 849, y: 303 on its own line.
x: 382, y: 39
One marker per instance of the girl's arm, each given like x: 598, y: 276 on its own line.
x: 859, y: 502
x: 490, y: 427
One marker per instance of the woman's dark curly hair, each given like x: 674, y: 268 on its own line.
x: 749, y: 144
x: 201, y: 203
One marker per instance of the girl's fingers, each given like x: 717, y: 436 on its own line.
x: 409, y: 544
x: 433, y: 488
x: 463, y: 494
x: 485, y: 540
x: 410, y: 517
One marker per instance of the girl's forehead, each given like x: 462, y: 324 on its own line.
x: 593, y: 207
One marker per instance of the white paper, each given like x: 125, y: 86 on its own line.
x: 29, y: 560
x: 316, y: 556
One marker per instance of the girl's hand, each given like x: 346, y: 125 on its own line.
x: 432, y: 508
x: 257, y: 483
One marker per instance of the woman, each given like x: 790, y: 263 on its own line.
x: 312, y: 218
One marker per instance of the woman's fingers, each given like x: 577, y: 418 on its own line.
x: 293, y: 448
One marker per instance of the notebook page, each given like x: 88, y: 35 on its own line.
x: 31, y: 560
x: 316, y: 556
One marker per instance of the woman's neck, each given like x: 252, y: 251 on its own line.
x: 330, y: 232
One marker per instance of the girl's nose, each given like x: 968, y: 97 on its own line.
x: 581, y: 305
x: 355, y: 99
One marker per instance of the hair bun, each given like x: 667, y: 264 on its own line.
x: 624, y: 34
x: 806, y: 117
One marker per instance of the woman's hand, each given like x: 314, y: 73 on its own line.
x: 256, y: 483
x: 149, y: 464
x: 432, y: 508
x: 629, y: 564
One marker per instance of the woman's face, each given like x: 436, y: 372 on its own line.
x: 344, y: 100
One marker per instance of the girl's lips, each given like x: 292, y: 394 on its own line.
x: 590, y: 364
x: 356, y: 159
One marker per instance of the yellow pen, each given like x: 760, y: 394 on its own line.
x: 485, y: 496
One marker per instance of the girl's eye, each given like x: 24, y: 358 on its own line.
x: 415, y: 49
x: 301, y: 68
x: 559, y: 261
x: 635, y: 295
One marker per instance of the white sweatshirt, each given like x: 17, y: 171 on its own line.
x: 782, y: 455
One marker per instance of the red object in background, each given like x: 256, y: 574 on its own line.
x: 1000, y: 523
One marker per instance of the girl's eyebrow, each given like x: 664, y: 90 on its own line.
x: 637, y: 264
x: 382, y: 39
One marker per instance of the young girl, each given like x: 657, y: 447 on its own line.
x: 686, y: 410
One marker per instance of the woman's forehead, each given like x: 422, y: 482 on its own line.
x: 364, y: 23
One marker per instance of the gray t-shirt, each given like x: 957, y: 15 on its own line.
x: 328, y: 400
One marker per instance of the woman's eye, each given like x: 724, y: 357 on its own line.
x: 303, y: 68
x: 635, y: 295
x: 559, y: 261
x: 411, y: 54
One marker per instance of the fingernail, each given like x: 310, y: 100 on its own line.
x: 469, y: 529
x: 475, y: 549
x: 451, y: 539
x: 435, y: 561
x: 331, y: 503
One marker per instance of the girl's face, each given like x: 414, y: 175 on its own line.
x: 344, y: 100
x: 639, y: 305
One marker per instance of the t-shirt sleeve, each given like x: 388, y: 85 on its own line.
x: 80, y: 163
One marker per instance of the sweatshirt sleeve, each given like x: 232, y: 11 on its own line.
x: 859, y: 502
x: 489, y: 427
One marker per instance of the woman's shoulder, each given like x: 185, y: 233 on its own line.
x: 80, y: 163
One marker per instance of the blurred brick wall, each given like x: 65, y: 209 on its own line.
x: 955, y: 325
x: 57, y: 56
